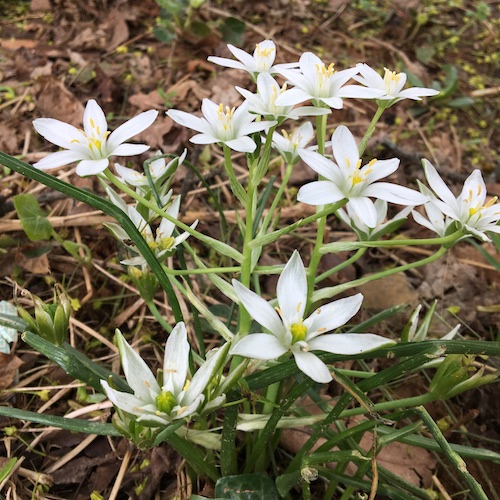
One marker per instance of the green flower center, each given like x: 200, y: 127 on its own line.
x: 298, y: 331
x: 165, y: 402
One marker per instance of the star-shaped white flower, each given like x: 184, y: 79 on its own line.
x: 177, y: 396
x: 163, y: 244
x: 348, y: 179
x: 383, y: 226
x: 323, y: 85
x: 262, y: 60
x: 289, y: 144
x: 290, y: 332
x: 391, y: 84
x: 470, y: 208
x: 264, y: 101
x: 158, y: 168
x: 230, y: 126
x: 93, y: 145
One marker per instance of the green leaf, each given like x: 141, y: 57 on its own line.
x: 35, y: 224
x: 7, y: 468
x: 461, y: 102
x: 246, y: 487
x: 232, y: 30
x: 425, y: 53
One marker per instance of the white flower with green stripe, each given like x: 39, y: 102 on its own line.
x: 289, y: 332
x: 177, y: 395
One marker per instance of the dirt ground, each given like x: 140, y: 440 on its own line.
x: 55, y: 55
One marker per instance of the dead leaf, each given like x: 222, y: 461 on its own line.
x: 54, y: 100
x: 117, y: 25
x: 146, y: 102
x: 396, y: 290
x: 9, y: 364
x: 38, y: 5
x: 37, y: 265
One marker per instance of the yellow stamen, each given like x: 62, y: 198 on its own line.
x: 263, y: 52
x: 92, y: 123
x: 297, y: 309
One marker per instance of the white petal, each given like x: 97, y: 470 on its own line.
x: 330, y: 316
x: 395, y: 194
x: 437, y: 184
x: 176, y: 362
x: 59, y: 133
x: 228, y: 63
x: 131, y: 127
x: 57, y: 160
x: 190, y: 121
x: 312, y: 366
x: 292, y: 290
x: 247, y: 60
x: 259, y: 346
x: 129, y: 149
x: 320, y: 193
x: 333, y: 102
x: 94, y: 119
x: 204, y: 139
x: 358, y: 92
x: 323, y: 166
x: 242, y: 144
x: 348, y: 343
x: 364, y: 209
x: 381, y: 169
x: 139, y: 377
x: 345, y: 149
x: 92, y: 167
x: 292, y: 97
x: 124, y: 401
x: 417, y: 92
x: 260, y: 310
x: 203, y: 375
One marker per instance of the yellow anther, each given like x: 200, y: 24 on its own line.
x: 356, y: 179
x: 358, y: 164
x: 479, y: 189
x: 264, y: 52
x: 92, y: 123
x: 348, y: 163
x: 98, y: 130
x: 186, y: 385
x: 372, y: 162
x: 286, y: 135
x: 469, y: 198
x: 75, y: 140
x: 297, y: 309
x: 166, y: 243
x: 147, y: 384
x: 491, y: 202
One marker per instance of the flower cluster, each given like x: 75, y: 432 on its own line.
x: 347, y: 186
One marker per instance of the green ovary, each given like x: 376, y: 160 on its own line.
x: 165, y: 402
x: 298, y: 331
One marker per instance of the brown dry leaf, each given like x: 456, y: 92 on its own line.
x: 37, y: 265
x: 9, y: 142
x: 146, y: 102
x: 155, y: 135
x: 9, y: 364
x: 396, y: 290
x: 54, y: 100
x: 117, y: 25
x: 38, y: 5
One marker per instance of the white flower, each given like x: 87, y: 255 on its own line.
x: 158, y: 168
x: 164, y: 243
x: 290, y: 332
x: 229, y: 126
x: 348, y: 179
x: 93, y: 145
x: 469, y: 208
x: 392, y: 85
x: 290, y: 144
x: 264, y: 102
x: 261, y: 61
x: 178, y: 396
x: 382, y: 226
x: 436, y: 220
x: 321, y: 84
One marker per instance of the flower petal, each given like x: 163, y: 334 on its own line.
x: 320, y: 193
x: 131, y: 127
x: 94, y: 119
x: 57, y: 160
x: 59, y: 133
x: 124, y: 401
x: 345, y: 149
x: 129, y: 149
x: 330, y: 316
x: 260, y: 310
x: 139, y: 377
x: 312, y: 366
x: 437, y: 184
x: 176, y: 361
x: 348, y: 343
x: 92, y: 167
x: 190, y: 121
x: 292, y: 290
x: 259, y: 346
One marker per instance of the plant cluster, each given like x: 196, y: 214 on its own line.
x: 223, y: 409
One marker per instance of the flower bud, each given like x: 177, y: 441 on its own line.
x: 145, y: 281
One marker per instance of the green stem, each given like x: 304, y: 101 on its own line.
x: 371, y: 129
x: 446, y: 241
x: 342, y: 265
x: 158, y: 316
x: 315, y: 260
x: 218, y: 245
x: 327, y: 293
x: 321, y: 133
x: 235, y: 184
x: 277, y: 198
